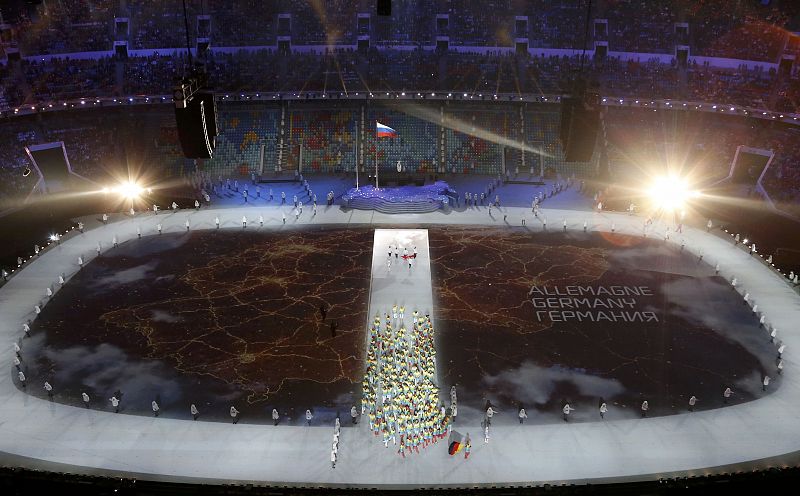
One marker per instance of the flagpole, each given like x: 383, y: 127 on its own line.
x: 376, y: 155
x: 355, y: 142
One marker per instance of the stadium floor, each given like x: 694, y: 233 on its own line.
x: 41, y: 432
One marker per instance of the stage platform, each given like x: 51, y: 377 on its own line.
x: 401, y: 199
x: 38, y: 432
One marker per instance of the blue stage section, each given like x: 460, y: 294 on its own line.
x: 402, y: 199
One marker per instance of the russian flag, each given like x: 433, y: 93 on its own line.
x: 385, y: 131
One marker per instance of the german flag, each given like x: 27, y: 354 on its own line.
x: 455, y: 443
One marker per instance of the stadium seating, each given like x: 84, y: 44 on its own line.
x: 753, y: 32
x: 243, y: 129
x: 327, y: 137
x: 472, y: 140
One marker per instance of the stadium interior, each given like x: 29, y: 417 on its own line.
x: 659, y: 138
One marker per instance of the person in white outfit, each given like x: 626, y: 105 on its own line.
x: 566, y: 410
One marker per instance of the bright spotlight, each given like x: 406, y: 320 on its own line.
x: 54, y: 237
x: 670, y: 193
x: 129, y: 189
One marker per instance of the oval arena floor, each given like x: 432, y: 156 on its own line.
x: 37, y: 432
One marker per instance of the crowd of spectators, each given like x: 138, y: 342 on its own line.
x: 152, y: 75
x: 740, y: 30
x: 742, y: 86
x: 388, y: 70
x: 715, y: 28
x: 641, y: 26
x: 67, y: 79
x: 44, y: 81
x: 62, y: 27
x: 747, y: 30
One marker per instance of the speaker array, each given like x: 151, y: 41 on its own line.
x: 197, y: 125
